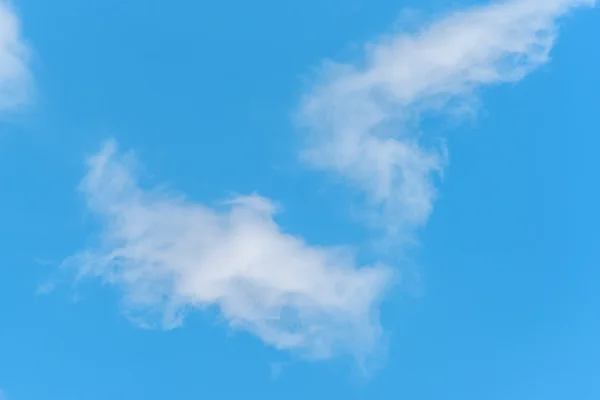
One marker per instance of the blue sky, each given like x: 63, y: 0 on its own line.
x: 357, y: 200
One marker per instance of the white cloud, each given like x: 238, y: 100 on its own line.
x: 15, y: 79
x: 170, y: 255
x: 360, y: 117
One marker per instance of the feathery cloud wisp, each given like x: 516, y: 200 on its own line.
x: 358, y: 116
x: 15, y: 79
x: 169, y: 255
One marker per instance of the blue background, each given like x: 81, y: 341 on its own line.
x: 507, y: 304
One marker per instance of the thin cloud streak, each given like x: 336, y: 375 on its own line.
x: 360, y: 118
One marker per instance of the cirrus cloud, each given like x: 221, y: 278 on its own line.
x: 170, y: 255
x: 15, y: 77
x: 358, y: 117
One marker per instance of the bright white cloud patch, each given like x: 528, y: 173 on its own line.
x: 359, y: 117
x: 170, y: 255
x: 14, y: 72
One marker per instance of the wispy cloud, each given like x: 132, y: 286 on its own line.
x: 170, y: 256
x: 360, y: 118
x: 15, y: 78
